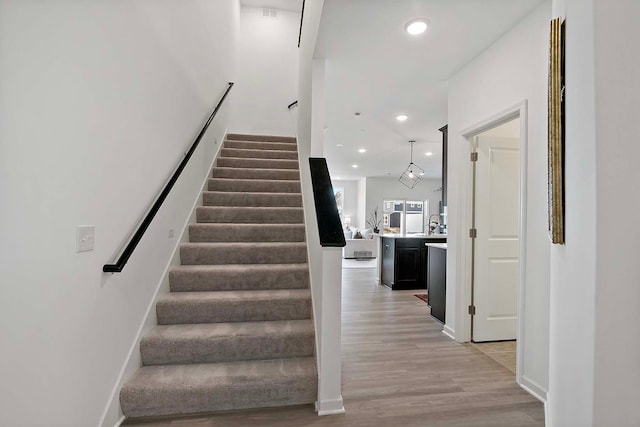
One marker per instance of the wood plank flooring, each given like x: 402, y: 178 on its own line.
x: 399, y: 370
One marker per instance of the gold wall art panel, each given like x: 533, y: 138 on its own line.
x: 556, y: 131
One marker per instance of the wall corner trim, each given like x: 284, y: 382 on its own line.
x: 449, y: 331
x: 534, y: 389
x: 330, y: 406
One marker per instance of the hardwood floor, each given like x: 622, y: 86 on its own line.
x: 399, y: 370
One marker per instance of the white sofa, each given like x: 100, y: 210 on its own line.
x: 366, y: 248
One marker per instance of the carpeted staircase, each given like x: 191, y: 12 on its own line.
x: 235, y: 331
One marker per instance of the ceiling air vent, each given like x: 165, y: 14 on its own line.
x: 269, y: 13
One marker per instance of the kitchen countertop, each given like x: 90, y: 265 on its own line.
x: 413, y: 236
x: 437, y: 245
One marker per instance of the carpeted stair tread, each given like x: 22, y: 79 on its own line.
x: 249, y: 215
x: 236, y: 329
x: 260, y: 145
x: 256, y: 173
x: 226, y: 232
x: 233, y: 306
x: 236, y: 162
x: 243, y: 253
x: 266, y: 138
x: 227, y: 277
x: 223, y: 342
x: 254, y: 185
x: 198, y: 388
x: 258, y: 154
x: 246, y: 198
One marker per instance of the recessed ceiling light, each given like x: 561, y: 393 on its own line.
x: 354, y: 166
x: 338, y: 145
x: 428, y: 153
x: 337, y: 177
x: 362, y: 150
x: 402, y: 117
x: 416, y: 26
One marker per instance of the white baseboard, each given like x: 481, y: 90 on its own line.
x: 448, y: 331
x: 330, y: 407
x: 534, y: 389
x: 547, y: 416
x: 134, y: 360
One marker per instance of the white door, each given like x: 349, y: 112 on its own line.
x: 496, y: 263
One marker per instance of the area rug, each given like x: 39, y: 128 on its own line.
x: 423, y: 297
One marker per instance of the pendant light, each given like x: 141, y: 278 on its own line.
x: 413, y: 173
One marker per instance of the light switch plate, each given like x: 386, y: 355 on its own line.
x: 85, y: 237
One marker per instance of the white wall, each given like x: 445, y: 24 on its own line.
x: 510, y: 71
x: 267, y: 73
x: 594, y: 354
x: 573, y: 265
x: 325, y: 263
x: 617, y: 71
x: 379, y: 189
x: 350, y: 200
x: 99, y: 100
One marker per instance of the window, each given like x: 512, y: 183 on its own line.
x: 405, y: 216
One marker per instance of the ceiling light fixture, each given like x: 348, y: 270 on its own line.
x: 416, y: 26
x: 413, y: 173
x: 428, y: 153
x: 354, y: 166
x: 362, y: 150
x: 338, y: 145
x: 402, y: 117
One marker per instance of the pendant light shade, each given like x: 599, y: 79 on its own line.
x: 413, y: 173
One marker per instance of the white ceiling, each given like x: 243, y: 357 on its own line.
x: 291, y: 5
x: 374, y: 67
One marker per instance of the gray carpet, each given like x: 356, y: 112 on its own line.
x: 235, y: 331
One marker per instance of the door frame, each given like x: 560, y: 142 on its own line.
x: 464, y: 286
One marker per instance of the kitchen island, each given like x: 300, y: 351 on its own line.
x: 403, y: 259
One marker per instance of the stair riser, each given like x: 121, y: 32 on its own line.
x: 142, y: 403
x: 249, y: 186
x: 232, y: 162
x: 236, y: 233
x: 261, y: 145
x: 258, y: 154
x: 245, y: 173
x: 225, y: 349
x: 251, y: 199
x: 267, y: 138
x: 213, y: 214
x: 188, y: 312
x: 203, y: 255
x: 240, y: 279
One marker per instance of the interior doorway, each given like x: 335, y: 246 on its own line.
x: 496, y: 241
x: 465, y: 300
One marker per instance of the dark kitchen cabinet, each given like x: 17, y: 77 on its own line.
x: 437, y: 278
x: 404, y: 262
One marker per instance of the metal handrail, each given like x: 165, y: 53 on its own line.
x: 137, y: 236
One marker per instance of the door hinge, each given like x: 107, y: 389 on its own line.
x: 472, y: 310
x: 474, y: 156
x: 473, y: 233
